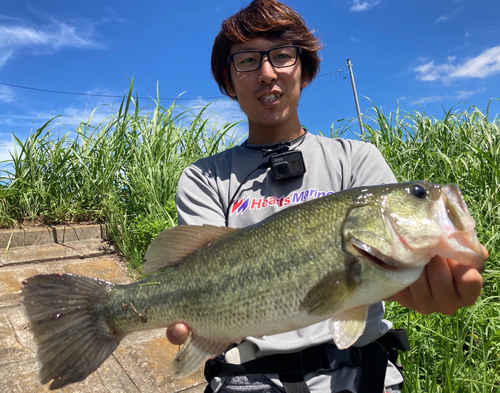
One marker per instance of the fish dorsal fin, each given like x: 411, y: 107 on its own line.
x: 172, y: 245
x: 196, y: 351
x: 348, y: 326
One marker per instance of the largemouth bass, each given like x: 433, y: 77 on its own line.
x: 329, y: 258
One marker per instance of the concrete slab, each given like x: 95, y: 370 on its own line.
x: 105, y: 269
x: 11, y: 284
x: 51, y: 235
x: 13, y: 236
x: 140, y: 363
x: 115, y: 378
x: 81, y: 232
x: 109, y: 378
x: 17, y: 347
x: 24, y: 255
x: 147, y: 362
x: 20, y: 326
x: 39, y: 236
x: 51, y: 267
x: 10, y: 348
x: 22, y: 377
x: 196, y: 389
x: 91, y: 248
x: 50, y: 252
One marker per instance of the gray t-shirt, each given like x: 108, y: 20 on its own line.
x: 207, y: 187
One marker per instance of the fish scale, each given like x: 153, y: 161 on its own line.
x: 331, y: 257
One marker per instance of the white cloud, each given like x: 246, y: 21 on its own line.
x: 21, y: 120
x: 430, y: 72
x: 6, y: 94
x: 97, y: 110
x: 447, y: 17
x: 5, y: 150
x: 5, y: 56
x: 428, y: 100
x: 6, y: 17
x: 220, y: 112
x: 114, y: 16
x: 90, y: 110
x: 482, y: 66
x: 456, y: 96
x: 53, y: 36
x: 57, y: 35
x: 361, y: 5
x: 73, y: 116
x: 464, y: 94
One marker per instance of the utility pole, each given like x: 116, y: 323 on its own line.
x: 349, y: 65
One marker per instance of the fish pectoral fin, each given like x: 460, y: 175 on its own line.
x: 327, y: 294
x: 171, y: 246
x: 196, y: 351
x: 348, y: 326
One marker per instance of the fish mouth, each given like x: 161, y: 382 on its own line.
x: 460, y: 241
x: 383, y: 261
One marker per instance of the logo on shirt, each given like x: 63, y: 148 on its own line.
x: 240, y: 206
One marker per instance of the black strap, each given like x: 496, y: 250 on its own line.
x: 293, y: 366
x: 313, y: 359
x: 395, y: 340
x: 374, y: 367
x: 294, y: 383
x: 376, y: 356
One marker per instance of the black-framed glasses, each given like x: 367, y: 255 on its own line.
x: 251, y: 60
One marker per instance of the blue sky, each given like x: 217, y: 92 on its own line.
x: 424, y: 54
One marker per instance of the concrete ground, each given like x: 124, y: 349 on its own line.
x: 140, y: 363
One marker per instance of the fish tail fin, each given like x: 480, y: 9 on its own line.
x: 68, y: 322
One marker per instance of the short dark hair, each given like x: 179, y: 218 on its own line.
x: 271, y: 20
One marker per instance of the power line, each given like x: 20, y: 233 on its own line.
x: 337, y: 73
x: 97, y: 95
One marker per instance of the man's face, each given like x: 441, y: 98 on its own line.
x: 269, y: 96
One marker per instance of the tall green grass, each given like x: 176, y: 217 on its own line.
x: 124, y: 172
x: 459, y: 353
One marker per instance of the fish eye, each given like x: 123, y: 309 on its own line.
x: 419, y: 191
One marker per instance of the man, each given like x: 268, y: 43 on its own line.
x: 263, y: 57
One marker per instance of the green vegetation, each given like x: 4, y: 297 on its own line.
x: 124, y: 172
x: 460, y: 353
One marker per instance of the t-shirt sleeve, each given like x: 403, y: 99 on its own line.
x: 368, y: 166
x: 198, y: 201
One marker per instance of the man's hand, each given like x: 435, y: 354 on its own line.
x: 445, y: 286
x: 178, y: 333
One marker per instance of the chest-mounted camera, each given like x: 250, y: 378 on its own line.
x: 285, y: 163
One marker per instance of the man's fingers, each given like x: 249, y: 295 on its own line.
x: 419, y: 295
x: 485, y: 252
x: 445, y: 297
x: 469, y: 283
x: 178, y: 333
